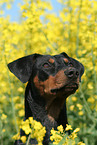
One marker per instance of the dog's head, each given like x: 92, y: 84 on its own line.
x: 51, y: 75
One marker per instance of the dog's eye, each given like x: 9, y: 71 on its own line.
x: 70, y: 64
x: 46, y: 65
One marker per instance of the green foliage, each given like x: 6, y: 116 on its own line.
x: 74, y: 31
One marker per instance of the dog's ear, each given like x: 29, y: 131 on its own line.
x: 64, y: 54
x: 22, y: 67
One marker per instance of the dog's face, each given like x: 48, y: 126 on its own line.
x: 57, y: 75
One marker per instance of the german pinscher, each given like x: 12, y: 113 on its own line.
x: 51, y: 79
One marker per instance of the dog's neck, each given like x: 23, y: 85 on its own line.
x: 33, y: 107
x: 37, y: 106
x: 37, y: 109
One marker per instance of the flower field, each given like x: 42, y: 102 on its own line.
x: 40, y: 30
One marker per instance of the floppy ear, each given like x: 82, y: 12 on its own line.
x: 22, y: 68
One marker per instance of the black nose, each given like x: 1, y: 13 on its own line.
x: 72, y: 73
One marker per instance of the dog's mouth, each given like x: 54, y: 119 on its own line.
x: 66, y: 88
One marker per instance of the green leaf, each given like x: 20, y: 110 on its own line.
x: 63, y: 140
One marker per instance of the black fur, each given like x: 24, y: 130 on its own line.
x: 26, y: 68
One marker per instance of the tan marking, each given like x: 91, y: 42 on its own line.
x: 51, y: 60
x: 78, y: 81
x: 51, y: 118
x: 54, y: 101
x: 66, y: 60
x: 38, y: 85
x: 53, y: 82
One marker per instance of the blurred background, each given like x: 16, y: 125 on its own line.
x: 49, y: 27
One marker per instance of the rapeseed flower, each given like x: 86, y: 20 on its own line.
x: 3, y: 130
x: 74, y: 99
x: 81, y: 143
x: 61, y: 137
x: 60, y: 128
x: 3, y: 117
x: 72, y: 107
x: 68, y: 127
x: 26, y: 127
x: 16, y: 137
x: 74, y: 133
x: 80, y: 113
x: 32, y: 128
x: 21, y: 113
x: 23, y: 139
x: 79, y: 106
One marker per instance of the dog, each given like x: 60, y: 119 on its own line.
x: 51, y: 79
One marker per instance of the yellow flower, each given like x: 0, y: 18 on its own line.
x: 68, y: 127
x: 55, y: 137
x: 53, y: 131
x: 80, y: 113
x: 37, y: 125
x: 23, y: 139
x: 8, y: 6
x: 16, y: 137
x: 3, y: 117
x: 20, y: 90
x: 76, y: 130
x: 91, y: 100
x: 21, y: 113
x: 73, y: 135
x: 90, y: 86
x: 81, y: 143
x: 19, y: 106
x: 1, y: 12
x: 26, y: 127
x: 74, y: 99
x: 16, y: 99
x: 3, y: 130
x: 38, y: 132
x: 79, y: 106
x: 72, y: 107
x: 2, y: 99
x: 60, y: 128
x: 30, y: 120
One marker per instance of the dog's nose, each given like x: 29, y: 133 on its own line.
x: 72, y: 73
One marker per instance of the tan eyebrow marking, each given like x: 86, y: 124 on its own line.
x: 51, y: 60
x: 66, y: 60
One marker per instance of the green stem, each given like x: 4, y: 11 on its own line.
x: 28, y: 139
x: 1, y: 136
x: 69, y: 27
x: 93, y: 61
x: 77, y: 37
x: 95, y: 79
x: 12, y: 102
x: 87, y: 108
